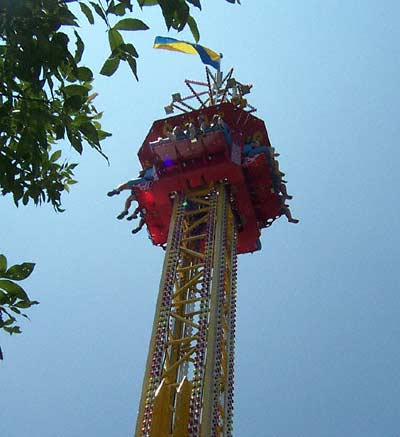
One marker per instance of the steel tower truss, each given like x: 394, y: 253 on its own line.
x: 188, y: 383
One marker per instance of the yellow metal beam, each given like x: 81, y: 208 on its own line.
x: 209, y: 377
x: 169, y: 257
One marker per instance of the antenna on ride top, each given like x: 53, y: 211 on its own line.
x: 216, y: 89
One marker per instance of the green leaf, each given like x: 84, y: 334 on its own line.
x: 87, y: 11
x: 148, y: 2
x: 118, y: 9
x: 13, y: 330
x: 3, y: 298
x: 109, y: 67
x: 103, y: 134
x: 129, y: 48
x: 74, y: 102
x: 115, y: 39
x: 76, y: 90
x: 25, y: 198
x: 90, y: 132
x: 20, y: 271
x: 131, y: 24
x: 26, y: 304
x: 195, y: 3
x: 80, y: 47
x: 84, y: 74
x: 10, y: 320
x: 175, y: 13
x: 15, y: 310
x: 193, y: 28
x: 99, y: 11
x: 55, y: 156
x: 17, y: 194
x: 3, y: 263
x: 66, y: 17
x: 75, y: 141
x: 128, y: 4
x: 132, y: 64
x: 13, y: 289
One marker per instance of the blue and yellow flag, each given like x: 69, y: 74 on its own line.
x: 207, y: 56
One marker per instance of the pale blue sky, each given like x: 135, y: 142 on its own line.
x: 318, y: 309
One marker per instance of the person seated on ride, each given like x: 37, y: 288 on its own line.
x: 169, y: 135
x: 247, y: 146
x: 254, y: 148
x: 279, y: 187
x: 217, y: 123
x: 178, y: 133
x: 142, y: 213
x: 135, y: 214
x: 147, y: 174
x: 277, y: 182
x: 272, y: 153
x: 204, y: 126
x: 247, y: 149
x: 191, y: 131
x: 285, y: 210
x: 276, y: 175
x: 144, y: 175
x: 128, y: 203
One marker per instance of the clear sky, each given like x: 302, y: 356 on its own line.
x: 318, y: 309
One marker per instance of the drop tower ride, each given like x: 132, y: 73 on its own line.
x: 215, y: 184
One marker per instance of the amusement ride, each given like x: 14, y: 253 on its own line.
x: 210, y: 183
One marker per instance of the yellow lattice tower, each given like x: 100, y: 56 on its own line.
x: 188, y: 382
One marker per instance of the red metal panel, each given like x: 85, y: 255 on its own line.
x: 190, y: 148
x: 186, y: 164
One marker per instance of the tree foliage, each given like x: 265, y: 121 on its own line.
x: 13, y: 298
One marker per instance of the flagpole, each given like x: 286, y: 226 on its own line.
x: 219, y: 75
